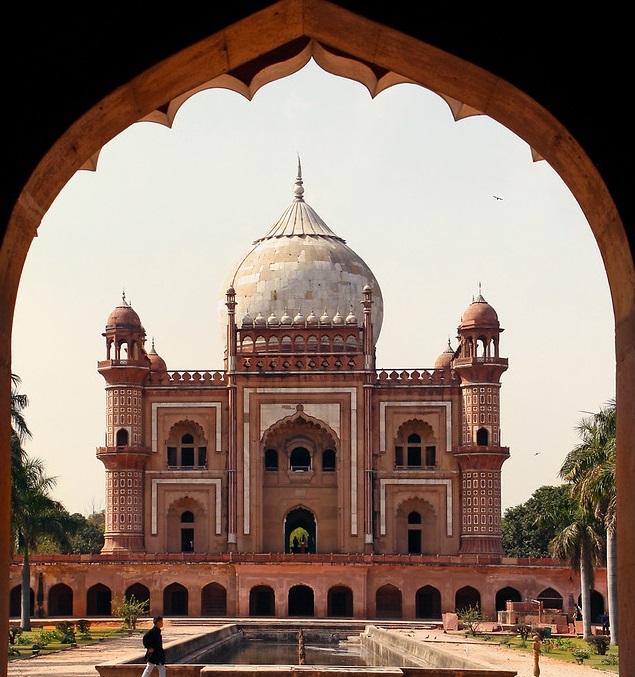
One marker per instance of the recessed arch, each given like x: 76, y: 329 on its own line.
x: 466, y: 88
x: 99, y: 600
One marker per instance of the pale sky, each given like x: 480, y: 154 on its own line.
x: 168, y: 212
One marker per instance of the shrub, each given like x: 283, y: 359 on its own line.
x: 611, y: 659
x: 580, y: 654
x: 129, y: 609
x: 46, y: 637
x: 599, y: 644
x: 471, y: 618
x: 66, y: 632
x: 14, y: 633
x: 523, y: 630
x: 83, y: 627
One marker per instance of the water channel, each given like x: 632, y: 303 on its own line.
x: 260, y: 652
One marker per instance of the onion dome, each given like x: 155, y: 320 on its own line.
x: 312, y: 320
x: 338, y: 319
x: 325, y: 319
x: 300, y: 262
x: 351, y: 318
x: 157, y: 363
x: 272, y: 320
x: 298, y: 320
x: 286, y: 319
x: 260, y: 320
x: 124, y: 317
x: 444, y: 361
x: 247, y: 321
x: 479, y: 313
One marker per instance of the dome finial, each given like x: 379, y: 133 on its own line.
x: 299, y: 188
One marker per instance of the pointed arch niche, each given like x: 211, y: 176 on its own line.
x: 271, y: 44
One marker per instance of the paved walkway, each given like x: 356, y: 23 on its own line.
x: 81, y: 662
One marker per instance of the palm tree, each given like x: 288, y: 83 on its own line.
x: 581, y: 543
x: 590, y: 470
x: 33, y: 512
x: 19, y: 402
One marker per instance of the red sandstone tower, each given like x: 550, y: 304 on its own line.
x: 125, y: 368
x: 479, y: 453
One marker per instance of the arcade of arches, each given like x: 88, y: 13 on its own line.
x: 388, y: 594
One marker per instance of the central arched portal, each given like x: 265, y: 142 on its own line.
x: 300, y: 531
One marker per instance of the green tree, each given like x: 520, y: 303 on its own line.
x: 549, y: 505
x: 19, y: 402
x: 590, y: 470
x: 33, y: 512
x: 581, y: 542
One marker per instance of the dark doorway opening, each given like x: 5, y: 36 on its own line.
x: 301, y: 602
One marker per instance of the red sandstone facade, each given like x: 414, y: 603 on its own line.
x: 300, y: 480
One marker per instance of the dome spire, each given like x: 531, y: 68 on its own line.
x: 299, y: 188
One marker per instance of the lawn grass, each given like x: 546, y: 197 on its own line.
x: 562, y: 648
x: 47, y: 639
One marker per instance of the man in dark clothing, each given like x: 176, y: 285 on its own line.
x: 153, y: 642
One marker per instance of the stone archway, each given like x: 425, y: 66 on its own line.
x: 157, y: 93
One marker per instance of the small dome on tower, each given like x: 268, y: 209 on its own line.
x: 444, y: 361
x: 479, y: 312
x: 124, y: 316
x: 157, y: 363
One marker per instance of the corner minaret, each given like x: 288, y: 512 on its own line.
x: 125, y: 369
x: 479, y: 452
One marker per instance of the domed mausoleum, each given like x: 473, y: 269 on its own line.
x: 299, y: 480
x: 301, y: 269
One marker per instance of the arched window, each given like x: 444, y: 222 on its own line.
x: 300, y: 460
x: 187, y: 451
x: 328, y: 460
x: 187, y: 531
x: 271, y: 459
x: 415, y: 445
x: 414, y: 450
x: 247, y: 345
x: 482, y: 437
x: 122, y: 437
x: 414, y: 533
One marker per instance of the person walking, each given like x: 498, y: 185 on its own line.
x: 153, y: 642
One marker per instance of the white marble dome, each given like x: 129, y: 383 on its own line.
x: 300, y: 266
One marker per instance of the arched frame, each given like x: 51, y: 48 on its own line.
x: 298, y: 29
